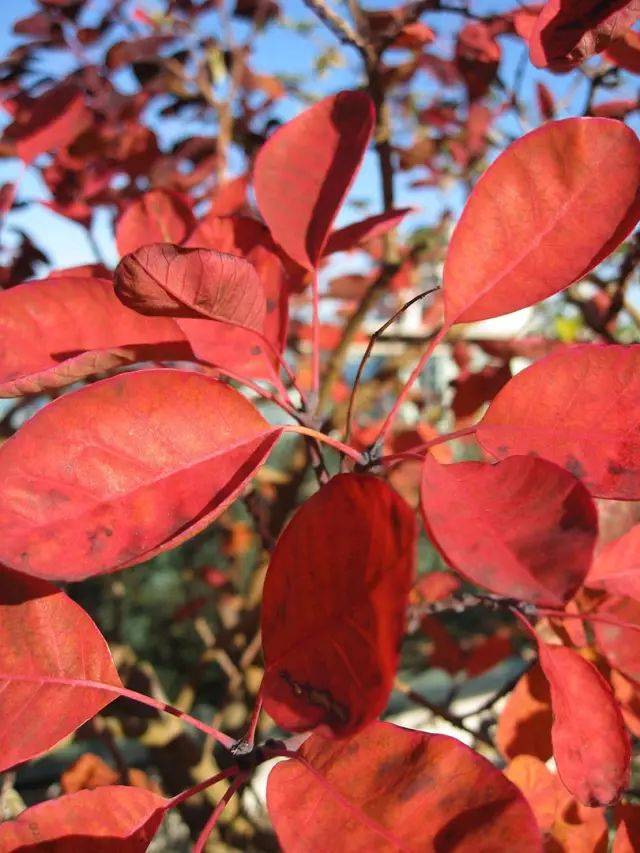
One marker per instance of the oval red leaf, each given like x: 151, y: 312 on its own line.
x: 334, y: 606
x: 523, y: 528
x: 158, y: 216
x: 113, y: 818
x: 63, y: 329
x: 163, y: 279
x: 575, y: 408
x: 304, y: 171
x: 590, y: 742
x: 52, y: 661
x: 391, y: 788
x: 119, y: 471
x: 548, y: 210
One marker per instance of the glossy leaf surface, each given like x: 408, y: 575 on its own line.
x: 390, y: 788
x: 578, y: 407
x: 123, y: 469
x: 304, y: 170
x: 334, y: 606
x: 549, y: 209
x: 523, y: 528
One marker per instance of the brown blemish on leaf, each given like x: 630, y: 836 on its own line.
x: 318, y: 697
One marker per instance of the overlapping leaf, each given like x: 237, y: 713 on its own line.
x: 334, y: 605
x: 617, y: 566
x: 523, y: 528
x: 548, y: 210
x: 303, y: 172
x: 524, y: 724
x: 157, y: 216
x: 114, y: 818
x: 118, y: 471
x: 367, y: 229
x: 52, y: 662
x: 620, y: 645
x: 390, y: 788
x: 65, y: 328
x: 578, y: 407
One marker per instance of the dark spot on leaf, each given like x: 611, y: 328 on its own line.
x: 256, y: 350
x: 271, y: 305
x: 575, y: 467
x: 615, y: 468
x: 336, y: 712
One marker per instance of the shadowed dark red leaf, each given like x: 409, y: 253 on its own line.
x: 617, y: 567
x: 334, y: 606
x: 163, y: 279
x: 114, y: 818
x: 124, y: 469
x: 625, y: 51
x: 158, y: 216
x: 391, y: 788
x: 565, y: 34
x: 523, y: 528
x: 590, y: 742
x: 548, y: 210
x: 578, y: 407
x: 52, y: 660
x: 304, y: 171
x: 63, y: 329
x: 374, y: 226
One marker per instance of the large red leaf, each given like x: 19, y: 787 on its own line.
x: 157, y: 216
x: 123, y: 469
x: 391, y: 788
x: 112, y: 819
x: 359, y: 232
x: 334, y: 606
x: 523, y: 528
x: 304, y: 171
x: 617, y: 567
x: 49, y: 650
x: 551, y: 207
x: 163, y: 279
x: 576, y: 407
x: 62, y: 329
x: 590, y: 742
x: 565, y: 34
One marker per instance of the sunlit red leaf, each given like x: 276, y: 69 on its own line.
x: 52, y: 661
x: 524, y: 724
x: 617, y: 566
x: 65, y: 328
x: 620, y: 645
x: 163, y: 279
x: 374, y: 226
x: 574, y: 407
x: 590, y: 742
x: 303, y: 172
x: 391, y: 788
x: 123, y: 469
x: 158, y: 216
x: 565, y: 34
x: 548, y: 210
x: 334, y: 606
x: 115, y: 818
x: 523, y: 528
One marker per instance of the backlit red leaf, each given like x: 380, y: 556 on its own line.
x: 334, y: 606
x: 123, y: 469
x: 304, y: 171
x: 579, y: 407
x: 620, y: 645
x: 374, y: 226
x: 590, y: 742
x: 523, y: 528
x: 617, y: 566
x: 548, y: 210
x: 114, y: 818
x: 391, y: 788
x: 158, y: 216
x: 52, y: 661
x: 163, y: 279
x: 63, y: 329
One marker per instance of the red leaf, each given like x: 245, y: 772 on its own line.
x: 359, y: 232
x: 548, y: 210
x: 158, y: 216
x: 114, y: 818
x: 119, y: 471
x: 63, y: 329
x: 334, y: 606
x: 565, y: 34
x: 230, y: 196
x: 163, y: 279
x: 524, y: 724
x: 304, y: 171
x: 590, y: 742
x: 574, y: 407
x: 620, y: 646
x: 523, y: 528
x: 52, y: 659
x: 625, y: 51
x: 617, y: 567
x: 391, y: 788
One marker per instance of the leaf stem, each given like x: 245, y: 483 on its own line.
x: 326, y: 439
x: 414, y: 452
x: 230, y: 772
x: 215, y: 814
x: 588, y: 617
